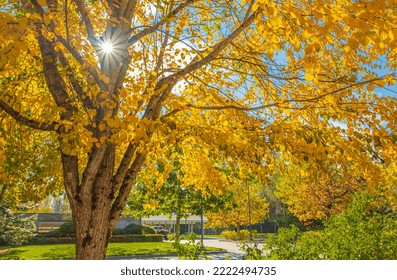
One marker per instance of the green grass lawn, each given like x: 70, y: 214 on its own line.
x: 66, y: 251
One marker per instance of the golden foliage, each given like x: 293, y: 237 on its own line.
x: 234, y: 83
x: 246, y: 207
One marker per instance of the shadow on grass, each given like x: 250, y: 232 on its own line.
x: 145, y: 252
x: 55, y: 254
x: 11, y: 254
x: 61, y: 251
x: 118, y: 252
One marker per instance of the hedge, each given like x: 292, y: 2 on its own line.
x: 67, y: 230
x: 119, y: 238
x: 138, y: 238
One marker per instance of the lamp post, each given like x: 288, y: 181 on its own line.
x: 249, y: 211
x: 202, y: 220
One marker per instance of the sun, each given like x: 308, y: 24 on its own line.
x: 107, y: 47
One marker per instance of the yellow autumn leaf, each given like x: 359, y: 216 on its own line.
x: 309, y: 76
x: 101, y: 127
x: 353, y: 43
x: 383, y: 35
x: 370, y: 87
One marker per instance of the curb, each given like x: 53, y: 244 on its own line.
x: 158, y: 255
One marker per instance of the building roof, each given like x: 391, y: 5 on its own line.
x: 161, y: 219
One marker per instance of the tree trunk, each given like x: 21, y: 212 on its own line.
x: 91, y: 208
x: 178, y: 216
x: 2, y: 192
x: 93, y: 233
x: 178, y: 226
x: 202, y: 226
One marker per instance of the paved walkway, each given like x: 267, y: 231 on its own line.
x: 232, y: 248
x: 232, y: 251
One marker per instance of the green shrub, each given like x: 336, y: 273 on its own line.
x: 148, y: 230
x: 137, y: 238
x: 53, y: 233
x: 283, y: 245
x: 66, y: 229
x: 133, y: 229
x: 171, y: 236
x: 15, y: 230
x: 40, y: 240
x: 65, y: 234
x: 238, y: 236
x: 253, y: 252
x: 190, y: 250
x: 363, y: 232
x: 229, y: 234
x: 118, y: 231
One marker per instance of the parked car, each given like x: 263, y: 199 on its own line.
x: 161, y: 230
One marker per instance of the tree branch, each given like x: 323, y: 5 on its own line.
x: 67, y: 45
x: 2, y: 192
x: 155, y: 102
x: 126, y: 186
x: 90, y: 172
x: 82, y: 62
x: 86, y: 100
x: 26, y: 121
x: 135, y: 38
x: 195, y: 63
x: 123, y: 166
x: 87, y: 21
x: 71, y: 178
x: 241, y: 108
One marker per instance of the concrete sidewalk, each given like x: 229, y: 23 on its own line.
x: 232, y: 248
x: 232, y: 251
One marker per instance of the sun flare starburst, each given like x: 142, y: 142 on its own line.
x: 107, y: 47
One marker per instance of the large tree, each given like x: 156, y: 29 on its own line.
x: 115, y: 80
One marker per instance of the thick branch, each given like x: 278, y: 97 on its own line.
x: 90, y: 172
x: 123, y: 167
x: 195, y: 64
x: 2, y: 192
x: 71, y: 178
x: 155, y: 103
x: 68, y: 46
x: 86, y: 100
x: 54, y: 80
x: 82, y: 62
x: 126, y: 187
x: 26, y: 121
x: 129, y: 10
x: 166, y: 84
x: 87, y: 21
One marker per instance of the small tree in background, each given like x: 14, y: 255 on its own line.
x: 15, y: 229
x: 173, y: 197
